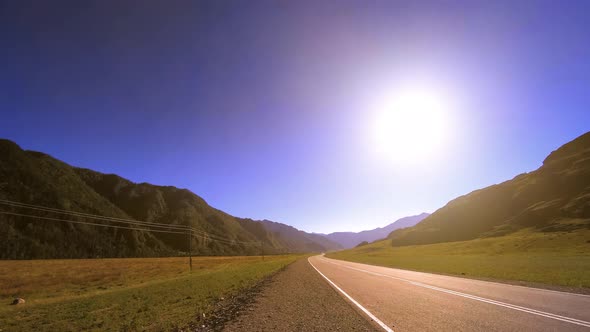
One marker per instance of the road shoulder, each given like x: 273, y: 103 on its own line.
x: 298, y: 299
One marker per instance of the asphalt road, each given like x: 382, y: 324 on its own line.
x: 413, y: 301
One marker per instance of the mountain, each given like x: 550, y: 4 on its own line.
x: 36, y: 178
x: 352, y: 239
x: 297, y: 238
x: 555, y: 197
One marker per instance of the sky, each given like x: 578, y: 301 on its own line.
x: 266, y: 109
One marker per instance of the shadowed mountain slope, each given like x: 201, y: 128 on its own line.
x: 555, y: 197
x: 37, y: 178
x: 295, y: 237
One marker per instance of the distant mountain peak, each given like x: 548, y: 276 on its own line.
x: 352, y: 239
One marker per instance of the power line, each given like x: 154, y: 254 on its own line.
x: 89, y: 223
x: 232, y: 242
x: 113, y: 226
x: 180, y: 228
x: 164, y: 228
x: 222, y: 239
x: 92, y: 216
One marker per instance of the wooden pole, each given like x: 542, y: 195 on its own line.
x: 190, y: 251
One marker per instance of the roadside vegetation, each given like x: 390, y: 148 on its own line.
x: 551, y: 258
x: 127, y: 294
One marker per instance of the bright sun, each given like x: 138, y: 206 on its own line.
x: 412, y: 126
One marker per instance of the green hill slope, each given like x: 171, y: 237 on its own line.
x: 36, y: 178
x: 555, y: 197
x: 526, y: 257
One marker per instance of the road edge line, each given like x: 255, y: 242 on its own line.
x: 468, y: 278
x: 363, y: 309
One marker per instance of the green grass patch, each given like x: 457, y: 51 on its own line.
x: 552, y: 258
x: 153, y: 294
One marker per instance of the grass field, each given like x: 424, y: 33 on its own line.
x: 132, y: 294
x: 556, y: 258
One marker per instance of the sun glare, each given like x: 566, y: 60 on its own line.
x: 411, y: 126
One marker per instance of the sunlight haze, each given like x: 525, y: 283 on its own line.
x: 364, y: 113
x: 413, y: 125
x: 293, y: 166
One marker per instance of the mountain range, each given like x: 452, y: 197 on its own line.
x: 41, y: 181
x: 352, y: 239
x: 555, y: 197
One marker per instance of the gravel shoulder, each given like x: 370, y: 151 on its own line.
x: 298, y: 299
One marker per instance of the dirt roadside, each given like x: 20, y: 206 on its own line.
x: 299, y: 299
x: 295, y: 299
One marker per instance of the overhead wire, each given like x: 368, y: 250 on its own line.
x: 89, y: 223
x: 92, y: 216
x: 178, y: 229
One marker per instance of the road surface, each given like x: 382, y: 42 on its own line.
x: 401, y: 300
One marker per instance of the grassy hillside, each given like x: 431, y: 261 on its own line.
x: 533, y: 228
x: 552, y: 258
x: 132, y: 294
x: 36, y: 178
x: 554, y: 198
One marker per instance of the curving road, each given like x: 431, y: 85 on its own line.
x: 401, y: 300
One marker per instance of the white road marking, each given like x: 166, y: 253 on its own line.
x: 367, y: 312
x: 473, y: 297
x: 492, y: 282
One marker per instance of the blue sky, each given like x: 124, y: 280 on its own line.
x: 264, y: 108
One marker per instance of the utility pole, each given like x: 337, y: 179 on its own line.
x: 262, y: 249
x: 190, y: 251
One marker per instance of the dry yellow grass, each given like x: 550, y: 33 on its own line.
x: 122, y: 294
x: 57, y: 278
